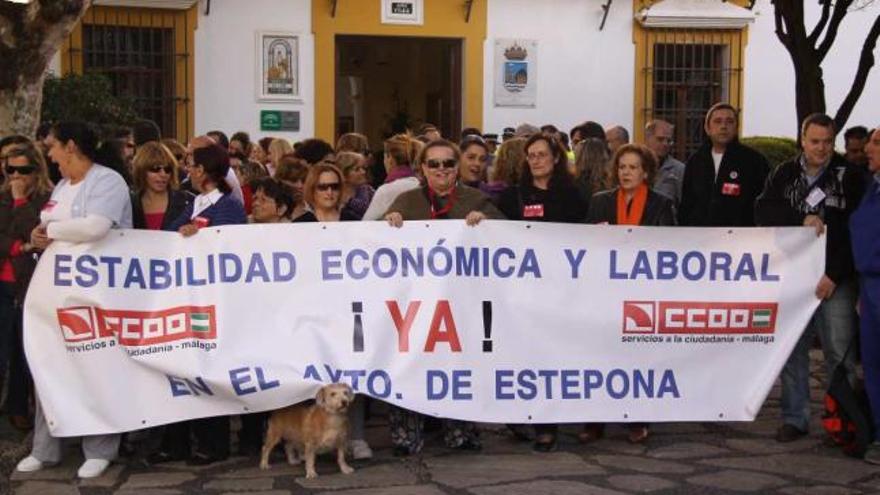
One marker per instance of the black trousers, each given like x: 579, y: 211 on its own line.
x: 211, y: 434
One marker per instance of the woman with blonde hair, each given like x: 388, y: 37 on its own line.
x: 506, y: 167
x: 356, y: 190
x: 277, y: 149
x: 156, y: 199
x: 592, y: 170
x: 400, y: 155
x: 25, y: 190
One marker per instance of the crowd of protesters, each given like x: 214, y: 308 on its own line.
x: 67, y: 184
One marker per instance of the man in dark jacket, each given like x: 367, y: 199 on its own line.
x: 817, y: 189
x: 723, y: 178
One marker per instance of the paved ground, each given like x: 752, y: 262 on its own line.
x: 678, y: 458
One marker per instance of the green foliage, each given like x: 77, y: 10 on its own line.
x: 775, y: 149
x: 87, y: 97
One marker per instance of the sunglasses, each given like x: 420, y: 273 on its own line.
x: 335, y: 186
x: 158, y: 168
x: 22, y: 170
x: 447, y: 163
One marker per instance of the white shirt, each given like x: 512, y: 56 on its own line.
x: 717, y: 157
x: 205, y: 201
x: 61, y: 206
x: 386, y: 194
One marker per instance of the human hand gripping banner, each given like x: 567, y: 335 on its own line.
x: 502, y: 322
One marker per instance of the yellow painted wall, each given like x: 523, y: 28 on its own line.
x: 442, y: 19
x: 183, y: 22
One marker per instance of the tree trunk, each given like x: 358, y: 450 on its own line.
x: 20, y: 108
x: 30, y: 34
x: 810, y: 91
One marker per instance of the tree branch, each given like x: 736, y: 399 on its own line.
x: 866, y: 62
x: 840, y: 10
x: 781, y: 33
x: 823, y: 21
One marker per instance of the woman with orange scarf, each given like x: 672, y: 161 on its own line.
x: 632, y: 202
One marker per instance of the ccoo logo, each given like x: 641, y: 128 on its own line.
x: 138, y: 328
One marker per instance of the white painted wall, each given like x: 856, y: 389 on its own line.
x: 583, y: 73
x: 769, y: 84
x: 226, y: 61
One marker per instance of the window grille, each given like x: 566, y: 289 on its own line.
x: 139, y: 62
x: 683, y: 73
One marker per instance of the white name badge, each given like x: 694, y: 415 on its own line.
x: 815, y: 197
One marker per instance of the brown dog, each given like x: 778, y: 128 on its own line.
x: 312, y: 430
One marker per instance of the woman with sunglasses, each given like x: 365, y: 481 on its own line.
x: 323, y: 195
x: 25, y: 190
x: 439, y: 198
x: 89, y: 202
x: 156, y: 200
x: 356, y: 190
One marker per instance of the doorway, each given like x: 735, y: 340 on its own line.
x: 387, y: 84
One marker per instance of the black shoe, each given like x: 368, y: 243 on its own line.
x: 789, y: 433
x: 545, y: 443
x: 162, y: 457
x: 401, y: 451
x: 199, y: 459
x: 249, y: 450
x: 471, y: 445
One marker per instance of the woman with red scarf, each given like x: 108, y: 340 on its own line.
x: 439, y: 198
x: 632, y: 202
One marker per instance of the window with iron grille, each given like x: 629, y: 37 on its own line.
x: 140, y: 64
x: 688, y: 79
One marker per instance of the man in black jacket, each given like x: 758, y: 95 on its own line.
x: 723, y: 178
x: 818, y: 189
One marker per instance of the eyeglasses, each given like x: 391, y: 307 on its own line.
x: 158, y: 168
x: 335, y: 186
x: 447, y: 163
x: 538, y: 155
x: 23, y: 169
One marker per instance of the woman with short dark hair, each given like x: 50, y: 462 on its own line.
x: 545, y: 193
x: 632, y: 201
x: 85, y: 205
x: 215, y: 205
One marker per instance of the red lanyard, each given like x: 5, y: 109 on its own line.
x: 442, y: 211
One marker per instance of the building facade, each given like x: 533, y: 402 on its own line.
x: 303, y: 68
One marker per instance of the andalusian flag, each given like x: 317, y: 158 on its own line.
x: 761, y: 318
x: 200, y: 322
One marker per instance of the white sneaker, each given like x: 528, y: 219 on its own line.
x: 29, y: 464
x: 361, y: 450
x: 93, y: 468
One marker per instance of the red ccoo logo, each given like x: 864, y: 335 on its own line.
x: 138, y: 328
x: 691, y: 317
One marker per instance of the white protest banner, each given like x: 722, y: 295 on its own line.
x: 502, y: 322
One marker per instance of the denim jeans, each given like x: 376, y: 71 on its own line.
x: 835, y: 323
